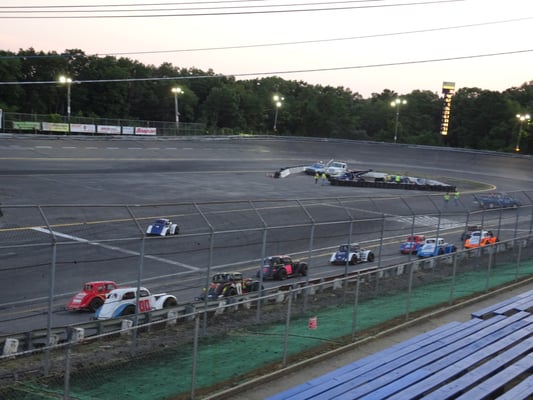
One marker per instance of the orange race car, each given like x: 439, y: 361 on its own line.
x: 480, y: 239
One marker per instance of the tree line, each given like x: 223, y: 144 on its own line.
x: 127, y: 89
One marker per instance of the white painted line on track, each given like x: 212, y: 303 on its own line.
x: 115, y: 248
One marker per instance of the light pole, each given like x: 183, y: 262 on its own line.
x: 396, y: 103
x: 278, y: 101
x: 176, y: 91
x: 67, y: 81
x: 522, y: 118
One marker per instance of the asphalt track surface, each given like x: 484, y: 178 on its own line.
x: 110, y: 171
x: 73, y: 171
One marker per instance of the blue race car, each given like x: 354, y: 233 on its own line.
x: 435, y: 247
x: 316, y: 168
x: 162, y: 227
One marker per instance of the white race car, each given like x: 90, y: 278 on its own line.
x: 351, y: 254
x: 162, y: 227
x: 122, y: 301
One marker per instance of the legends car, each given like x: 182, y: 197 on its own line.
x: 162, y: 227
x: 282, y: 267
x: 468, y: 232
x: 122, y: 301
x: 351, y: 254
x: 480, y: 239
x: 411, y: 245
x: 227, y: 284
x: 91, y: 296
x: 435, y: 247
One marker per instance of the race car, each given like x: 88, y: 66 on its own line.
x: 282, y: 267
x: 122, y: 301
x: 162, y: 227
x: 411, y: 245
x: 435, y: 247
x: 91, y: 296
x: 480, y: 239
x: 468, y: 233
x: 226, y: 284
x: 316, y: 168
x: 351, y: 254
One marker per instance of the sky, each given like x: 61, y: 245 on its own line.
x: 364, y: 46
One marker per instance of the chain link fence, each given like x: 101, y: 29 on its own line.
x: 205, y: 346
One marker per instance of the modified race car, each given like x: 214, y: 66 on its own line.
x: 162, y: 227
x: 282, y: 267
x: 480, y: 239
x: 351, y: 254
x: 122, y: 301
x: 226, y: 284
x: 91, y: 296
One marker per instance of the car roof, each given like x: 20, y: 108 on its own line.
x: 126, y: 289
x: 99, y: 282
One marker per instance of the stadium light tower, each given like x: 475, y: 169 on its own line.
x: 396, y: 103
x: 176, y: 91
x: 65, y: 80
x: 278, y: 102
x: 521, y: 118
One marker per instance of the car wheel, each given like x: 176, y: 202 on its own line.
x: 170, y: 302
x: 129, y: 310
x: 353, y: 260
x: 370, y: 257
x: 441, y: 251
x: 95, y: 304
x: 282, y: 275
x: 303, y: 271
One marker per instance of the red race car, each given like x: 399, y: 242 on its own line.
x: 92, y: 296
x: 412, y: 244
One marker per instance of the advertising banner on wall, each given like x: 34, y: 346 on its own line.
x: 128, y: 130
x: 109, y: 129
x: 55, y: 127
x: 145, y: 131
x: 26, y: 125
x: 83, y: 128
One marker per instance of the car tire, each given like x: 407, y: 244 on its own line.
x: 129, y: 310
x: 370, y: 257
x: 282, y: 274
x: 95, y: 304
x: 353, y: 260
x: 170, y: 302
x: 303, y: 271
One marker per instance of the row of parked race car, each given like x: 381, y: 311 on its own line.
x: 472, y: 238
x: 107, y: 300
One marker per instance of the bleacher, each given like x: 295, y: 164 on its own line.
x: 488, y: 357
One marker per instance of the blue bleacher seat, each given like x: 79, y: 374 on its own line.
x: 480, y: 357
